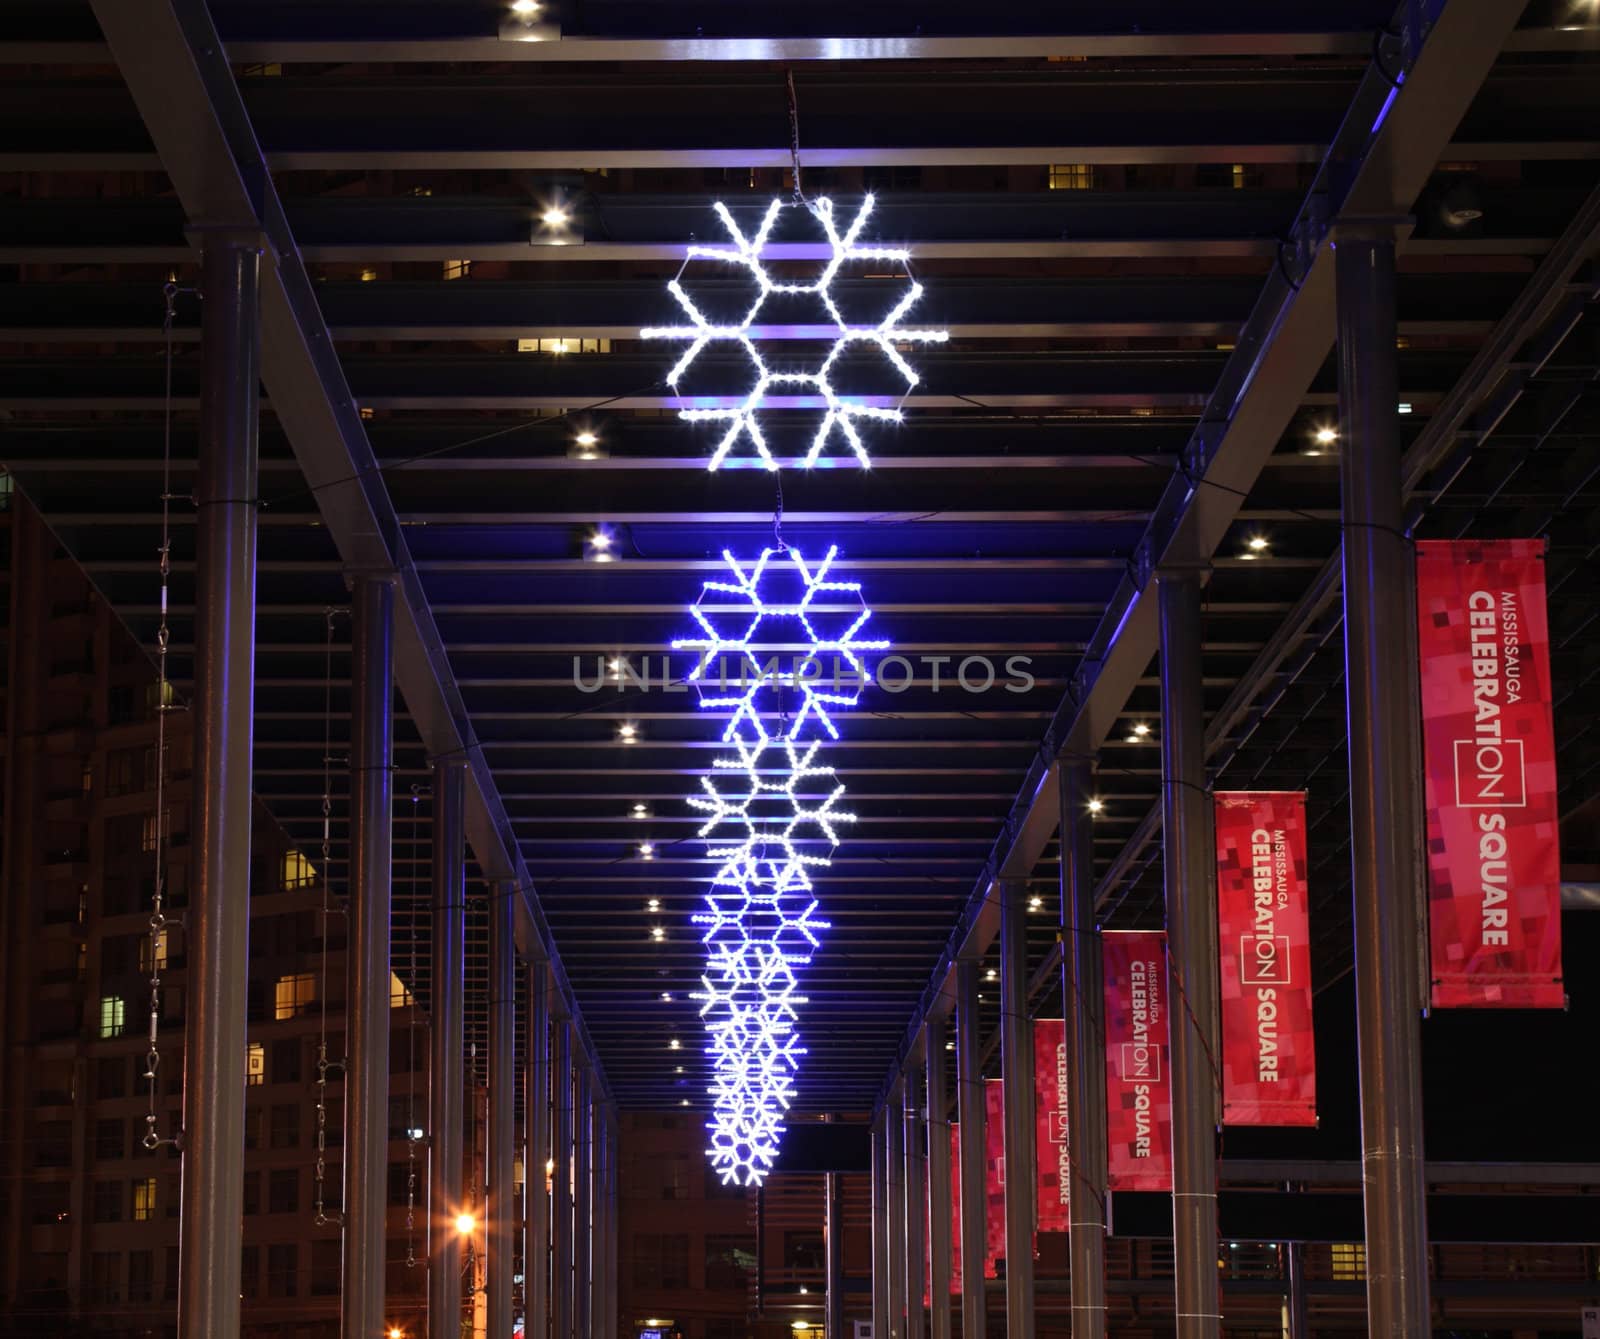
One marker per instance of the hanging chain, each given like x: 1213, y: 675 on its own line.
x: 411, y: 1050
x: 322, y: 1216
x: 158, y: 917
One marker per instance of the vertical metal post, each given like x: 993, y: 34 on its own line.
x: 501, y: 1200
x: 971, y: 1112
x: 1189, y: 866
x: 597, y: 1251
x: 916, y: 1201
x: 583, y: 1202
x: 1083, y: 1007
x: 895, y: 1177
x: 613, y: 1222
x: 536, y: 1115
x: 366, y: 1086
x: 224, y: 677
x: 833, y: 1201
x: 1299, y: 1312
x: 447, y: 1043
x: 880, y: 1223
x: 1016, y: 1075
x: 561, y: 1179
x: 1385, y: 779
x: 938, y: 1182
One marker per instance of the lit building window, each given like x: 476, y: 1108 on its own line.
x: 297, y: 871
x: 399, y: 996
x: 149, y: 833
x: 255, y: 1064
x: 294, y: 995
x: 159, y: 695
x: 457, y: 269
x: 1071, y: 177
x: 1349, y: 1261
x: 160, y: 960
x: 113, y: 1015
x: 144, y: 1199
x: 559, y: 344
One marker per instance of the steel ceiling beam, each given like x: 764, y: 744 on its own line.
x: 172, y: 59
x: 1387, y: 146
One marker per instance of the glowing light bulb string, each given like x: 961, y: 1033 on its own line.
x: 772, y: 804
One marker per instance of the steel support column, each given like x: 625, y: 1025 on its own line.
x: 536, y: 1152
x: 366, y: 1085
x: 446, y: 1073
x: 1385, y: 779
x: 833, y: 1325
x: 1016, y: 1075
x: 1189, y: 866
x: 916, y: 1200
x: 600, y: 1170
x: 1299, y: 1311
x: 583, y: 1202
x: 895, y: 1178
x: 880, y: 1224
x: 219, y: 911
x: 561, y: 1182
x: 1083, y: 1007
x: 501, y: 1199
x: 971, y: 1113
x: 613, y: 1222
x: 938, y: 1127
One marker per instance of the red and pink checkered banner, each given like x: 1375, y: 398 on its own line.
x: 1494, y: 865
x: 1269, y: 1068
x: 1138, y: 1089
x: 994, y: 1175
x: 1050, y: 1123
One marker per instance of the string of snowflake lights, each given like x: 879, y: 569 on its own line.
x: 770, y: 819
x: 840, y: 412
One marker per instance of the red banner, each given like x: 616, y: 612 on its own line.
x: 1050, y: 1122
x: 1138, y: 1092
x: 1494, y: 867
x: 1269, y: 1068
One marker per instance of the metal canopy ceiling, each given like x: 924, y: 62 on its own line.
x: 1137, y: 369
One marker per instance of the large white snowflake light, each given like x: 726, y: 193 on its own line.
x: 772, y: 815
x: 840, y: 412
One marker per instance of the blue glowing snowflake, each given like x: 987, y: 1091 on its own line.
x: 840, y: 412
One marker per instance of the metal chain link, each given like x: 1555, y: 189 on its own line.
x: 322, y: 1216
x: 152, y: 1139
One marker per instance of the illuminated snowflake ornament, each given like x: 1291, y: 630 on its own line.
x: 772, y: 814
x: 796, y: 387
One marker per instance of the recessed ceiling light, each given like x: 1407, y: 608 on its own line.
x: 680, y: 1069
x: 1141, y: 729
x: 1095, y: 806
x: 639, y: 811
x: 1034, y: 903
x: 991, y: 975
x: 654, y: 904
x: 555, y: 216
x: 949, y: 1046
x: 1326, y: 435
x: 525, y: 9
x: 647, y: 851
x: 674, y: 1045
x: 666, y: 997
x: 657, y: 933
x: 627, y: 732
x: 1404, y: 407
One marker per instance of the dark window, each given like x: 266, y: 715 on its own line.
x: 285, y: 1126
x: 252, y: 1194
x: 169, y: 1280
x: 252, y: 1127
x: 124, y: 771
x: 141, y: 1275
x: 54, y: 1144
x: 105, y: 1276
x: 250, y: 1271
x: 286, y: 1061
x: 120, y: 704
x: 107, y: 1202
x: 729, y: 1261
x: 110, y: 1139
x: 326, y: 1266
x: 110, y: 1077
x: 283, y: 1191
x: 717, y: 1189
x: 281, y: 1280
x: 661, y: 1260
x: 804, y: 1250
